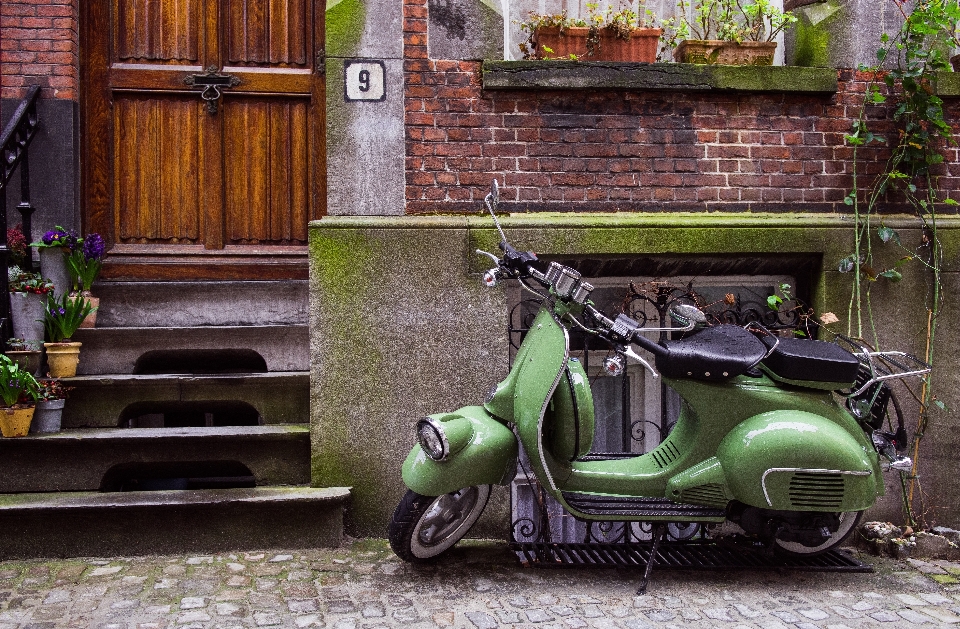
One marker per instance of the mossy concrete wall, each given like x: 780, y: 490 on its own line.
x: 401, y: 327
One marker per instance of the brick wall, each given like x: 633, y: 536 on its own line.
x: 39, y: 44
x: 629, y: 150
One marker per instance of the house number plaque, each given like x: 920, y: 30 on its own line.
x: 364, y: 80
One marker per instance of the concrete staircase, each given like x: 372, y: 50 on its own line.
x: 188, y: 429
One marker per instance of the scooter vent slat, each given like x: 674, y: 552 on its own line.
x: 697, y: 555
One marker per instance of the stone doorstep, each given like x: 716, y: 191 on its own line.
x: 98, y: 401
x: 90, y: 524
x: 116, y: 350
x: 78, y: 460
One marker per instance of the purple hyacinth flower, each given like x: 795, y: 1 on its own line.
x: 93, y: 247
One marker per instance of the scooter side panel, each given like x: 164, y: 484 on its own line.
x: 488, y: 458
x: 797, y: 461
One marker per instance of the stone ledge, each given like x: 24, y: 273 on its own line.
x: 582, y: 75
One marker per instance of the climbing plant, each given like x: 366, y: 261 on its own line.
x: 905, y: 72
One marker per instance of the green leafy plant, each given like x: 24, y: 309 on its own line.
x: 22, y: 282
x: 24, y: 345
x: 912, y: 56
x: 63, y: 316
x: 726, y: 20
x: 53, y: 389
x: 17, y: 386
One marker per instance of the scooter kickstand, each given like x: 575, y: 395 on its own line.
x: 659, y: 532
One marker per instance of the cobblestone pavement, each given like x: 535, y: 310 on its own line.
x: 481, y: 586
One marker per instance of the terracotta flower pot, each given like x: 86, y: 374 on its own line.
x: 63, y: 358
x: 47, y: 417
x: 15, y: 422
x: 91, y: 319
x: 728, y: 53
x: 641, y: 46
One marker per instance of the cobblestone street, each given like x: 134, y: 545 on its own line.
x: 480, y: 586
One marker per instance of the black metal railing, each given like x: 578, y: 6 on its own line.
x: 14, y: 143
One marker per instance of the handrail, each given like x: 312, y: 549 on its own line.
x: 18, y: 134
x: 14, y: 142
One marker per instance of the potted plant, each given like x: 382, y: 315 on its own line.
x: 18, y: 395
x: 17, y: 244
x: 84, y: 264
x: 25, y: 353
x: 726, y: 32
x: 51, y: 399
x: 54, y: 247
x: 27, y: 293
x: 606, y: 35
x: 61, y: 318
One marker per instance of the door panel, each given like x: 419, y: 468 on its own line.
x: 169, y: 178
x: 159, y: 31
x: 157, y: 184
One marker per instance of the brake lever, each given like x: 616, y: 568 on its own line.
x: 629, y: 353
x: 495, y: 259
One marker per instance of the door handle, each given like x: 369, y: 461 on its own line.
x: 212, y: 82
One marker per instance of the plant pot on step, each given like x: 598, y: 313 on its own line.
x: 47, y: 417
x: 29, y: 360
x: 26, y: 314
x: 728, y: 53
x: 15, y: 421
x: 53, y: 266
x: 91, y: 319
x: 641, y: 46
x: 63, y: 358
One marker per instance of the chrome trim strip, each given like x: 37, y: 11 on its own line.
x: 763, y: 479
x: 543, y: 409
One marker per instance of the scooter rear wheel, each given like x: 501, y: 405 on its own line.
x: 848, y: 524
x: 425, y: 527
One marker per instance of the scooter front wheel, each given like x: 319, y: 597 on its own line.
x: 424, y: 527
x: 848, y: 523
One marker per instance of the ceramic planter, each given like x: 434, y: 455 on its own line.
x: 15, y: 422
x: 47, y: 416
x: 53, y: 266
x: 728, y: 53
x: 26, y: 313
x: 641, y: 46
x: 28, y: 360
x: 63, y: 358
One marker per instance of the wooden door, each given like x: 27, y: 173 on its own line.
x: 186, y: 187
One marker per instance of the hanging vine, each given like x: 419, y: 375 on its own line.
x: 907, y: 64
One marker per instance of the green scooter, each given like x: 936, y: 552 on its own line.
x: 780, y: 435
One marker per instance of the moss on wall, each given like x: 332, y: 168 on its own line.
x: 812, y: 34
x: 345, y: 23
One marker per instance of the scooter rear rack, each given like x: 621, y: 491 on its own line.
x: 683, y: 555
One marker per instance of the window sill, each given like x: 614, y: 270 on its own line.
x: 590, y: 75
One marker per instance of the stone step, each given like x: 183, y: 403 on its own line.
x: 92, y: 524
x: 188, y: 304
x: 106, y: 400
x: 131, y: 350
x: 109, y: 459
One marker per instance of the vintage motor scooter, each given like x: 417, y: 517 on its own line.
x: 779, y: 435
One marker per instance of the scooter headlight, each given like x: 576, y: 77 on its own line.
x: 432, y: 439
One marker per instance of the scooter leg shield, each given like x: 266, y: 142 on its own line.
x: 488, y: 457
x: 798, y: 461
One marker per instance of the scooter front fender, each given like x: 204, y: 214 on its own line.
x: 489, y: 456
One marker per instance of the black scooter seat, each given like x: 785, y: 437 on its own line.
x: 815, y: 361
x: 717, y: 353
